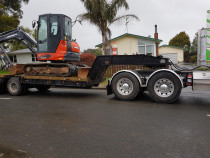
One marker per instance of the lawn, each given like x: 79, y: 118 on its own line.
x: 4, y: 72
x: 105, y: 81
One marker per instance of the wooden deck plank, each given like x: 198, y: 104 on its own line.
x: 56, y: 78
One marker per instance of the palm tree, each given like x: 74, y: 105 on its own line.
x: 103, y: 13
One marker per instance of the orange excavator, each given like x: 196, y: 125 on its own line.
x: 54, y: 43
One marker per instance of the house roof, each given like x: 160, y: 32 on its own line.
x: 132, y: 35
x: 22, y: 51
x: 171, y: 47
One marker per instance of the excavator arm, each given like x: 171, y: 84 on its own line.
x: 4, y: 57
x: 15, y: 34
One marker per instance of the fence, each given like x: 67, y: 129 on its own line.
x: 115, y: 68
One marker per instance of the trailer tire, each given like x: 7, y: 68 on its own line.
x: 164, y: 87
x: 14, y: 86
x: 42, y: 88
x: 125, y: 86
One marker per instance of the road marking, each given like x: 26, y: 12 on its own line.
x: 5, y: 98
x: 208, y: 115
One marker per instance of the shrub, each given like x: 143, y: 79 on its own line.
x: 87, y: 58
x: 203, y: 69
x: 193, y: 59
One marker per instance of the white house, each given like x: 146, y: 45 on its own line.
x: 22, y: 56
x: 130, y: 44
x: 176, y: 54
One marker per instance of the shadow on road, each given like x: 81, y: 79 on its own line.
x: 7, y: 152
x: 64, y: 93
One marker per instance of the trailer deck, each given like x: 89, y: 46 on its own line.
x: 86, y: 76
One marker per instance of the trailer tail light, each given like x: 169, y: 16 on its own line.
x: 189, y: 80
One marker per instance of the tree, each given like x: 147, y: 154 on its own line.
x: 103, y: 13
x: 194, y: 46
x: 95, y: 52
x: 191, y: 56
x: 10, y: 13
x: 181, y: 40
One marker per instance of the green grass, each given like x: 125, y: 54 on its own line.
x: 105, y: 81
x: 203, y: 69
x: 4, y: 72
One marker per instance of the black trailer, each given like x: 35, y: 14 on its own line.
x: 125, y: 84
x: 163, y: 82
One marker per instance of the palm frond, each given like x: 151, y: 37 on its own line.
x: 89, y: 18
x: 124, y: 17
x: 118, y: 4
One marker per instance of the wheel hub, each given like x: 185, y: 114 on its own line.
x: 125, y: 86
x: 164, y: 87
x: 13, y: 87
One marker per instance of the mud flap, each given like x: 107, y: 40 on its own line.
x: 109, y: 88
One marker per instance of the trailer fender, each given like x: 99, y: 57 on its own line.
x: 128, y: 71
x: 135, y: 74
x: 165, y: 70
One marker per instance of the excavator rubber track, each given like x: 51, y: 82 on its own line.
x: 51, y: 69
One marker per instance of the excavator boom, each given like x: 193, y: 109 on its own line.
x: 15, y: 34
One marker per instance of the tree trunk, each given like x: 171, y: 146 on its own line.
x: 106, y: 45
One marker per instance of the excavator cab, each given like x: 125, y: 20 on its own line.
x: 54, y: 41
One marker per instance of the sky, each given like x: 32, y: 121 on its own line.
x: 171, y: 16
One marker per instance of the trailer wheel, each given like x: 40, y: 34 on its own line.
x: 164, y: 87
x: 14, y: 86
x: 125, y: 86
x: 42, y: 88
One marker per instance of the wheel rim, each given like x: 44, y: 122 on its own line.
x: 13, y: 87
x: 125, y: 86
x: 164, y: 87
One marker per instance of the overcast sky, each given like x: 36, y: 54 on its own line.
x: 171, y: 16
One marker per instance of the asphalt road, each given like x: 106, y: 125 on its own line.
x: 70, y: 123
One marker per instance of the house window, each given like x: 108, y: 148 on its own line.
x: 142, y: 49
x: 146, y: 49
x: 13, y: 58
x: 33, y: 57
x: 150, y: 49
